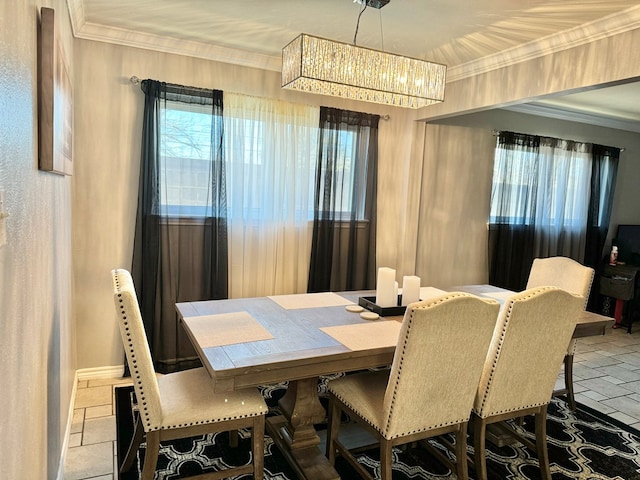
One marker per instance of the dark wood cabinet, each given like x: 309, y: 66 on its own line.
x: 619, y: 282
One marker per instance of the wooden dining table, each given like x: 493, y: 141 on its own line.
x: 250, y: 342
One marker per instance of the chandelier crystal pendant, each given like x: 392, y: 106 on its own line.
x: 327, y: 67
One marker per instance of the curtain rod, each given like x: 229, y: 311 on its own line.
x: 497, y: 132
x: 136, y: 81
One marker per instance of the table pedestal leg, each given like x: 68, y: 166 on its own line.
x: 302, y: 408
x: 294, y: 434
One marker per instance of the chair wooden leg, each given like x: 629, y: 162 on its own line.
x: 136, y: 440
x: 257, y: 447
x: 151, y: 455
x: 333, y: 426
x: 461, y: 452
x: 233, y: 438
x: 568, y: 381
x: 541, y: 443
x: 479, y: 442
x: 386, y: 459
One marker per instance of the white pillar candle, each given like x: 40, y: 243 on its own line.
x: 385, y: 287
x: 410, y: 289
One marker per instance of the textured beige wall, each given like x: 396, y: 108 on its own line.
x: 454, y: 206
x: 434, y: 188
x: 108, y: 135
x: 456, y: 192
x: 458, y: 158
x: 37, y: 342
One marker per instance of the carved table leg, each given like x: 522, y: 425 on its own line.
x: 302, y: 408
x: 294, y: 434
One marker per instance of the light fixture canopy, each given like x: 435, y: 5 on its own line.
x: 318, y: 65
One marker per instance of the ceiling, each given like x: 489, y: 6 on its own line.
x: 613, y: 107
x: 469, y: 36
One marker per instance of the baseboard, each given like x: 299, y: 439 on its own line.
x: 67, y: 430
x: 114, y: 371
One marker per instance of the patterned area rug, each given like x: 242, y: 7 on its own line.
x: 582, y: 445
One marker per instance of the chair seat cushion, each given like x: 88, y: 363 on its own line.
x: 188, y: 399
x: 364, y: 394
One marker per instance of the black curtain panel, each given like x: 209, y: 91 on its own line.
x: 511, y: 254
x: 180, y: 245
x: 344, y: 228
x: 603, y: 181
x: 511, y: 233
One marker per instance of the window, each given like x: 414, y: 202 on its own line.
x: 547, y: 187
x: 347, y: 197
x: 252, y: 148
x: 511, y: 183
x: 228, y: 192
x: 187, y: 153
x: 265, y: 159
x: 550, y: 197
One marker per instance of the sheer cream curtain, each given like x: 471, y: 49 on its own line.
x: 271, y: 149
x: 562, y: 209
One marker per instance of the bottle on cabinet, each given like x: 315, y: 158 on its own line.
x: 613, y: 258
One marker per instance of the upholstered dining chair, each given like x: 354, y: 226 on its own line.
x: 182, y: 404
x: 521, y: 367
x: 569, y: 275
x: 430, y: 387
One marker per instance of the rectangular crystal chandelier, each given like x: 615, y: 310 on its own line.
x: 317, y: 65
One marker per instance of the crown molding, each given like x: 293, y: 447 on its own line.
x: 611, y: 25
x: 158, y: 43
x: 76, y: 15
x: 575, y: 116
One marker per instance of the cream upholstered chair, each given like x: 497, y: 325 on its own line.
x: 521, y: 368
x: 182, y: 404
x: 430, y: 388
x: 569, y: 275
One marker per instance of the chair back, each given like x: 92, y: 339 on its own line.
x: 438, y: 362
x: 526, y: 352
x: 137, y: 350
x: 561, y: 272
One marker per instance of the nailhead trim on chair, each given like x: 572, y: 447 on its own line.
x: 586, y: 298
x: 402, y: 355
x: 383, y: 430
x: 205, y: 422
x: 402, y: 434
x: 386, y: 427
x: 134, y: 366
x: 495, y: 360
x: 135, y: 369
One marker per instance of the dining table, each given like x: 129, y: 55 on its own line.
x: 251, y: 342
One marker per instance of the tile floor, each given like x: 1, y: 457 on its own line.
x: 92, y: 440
x: 606, y: 378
